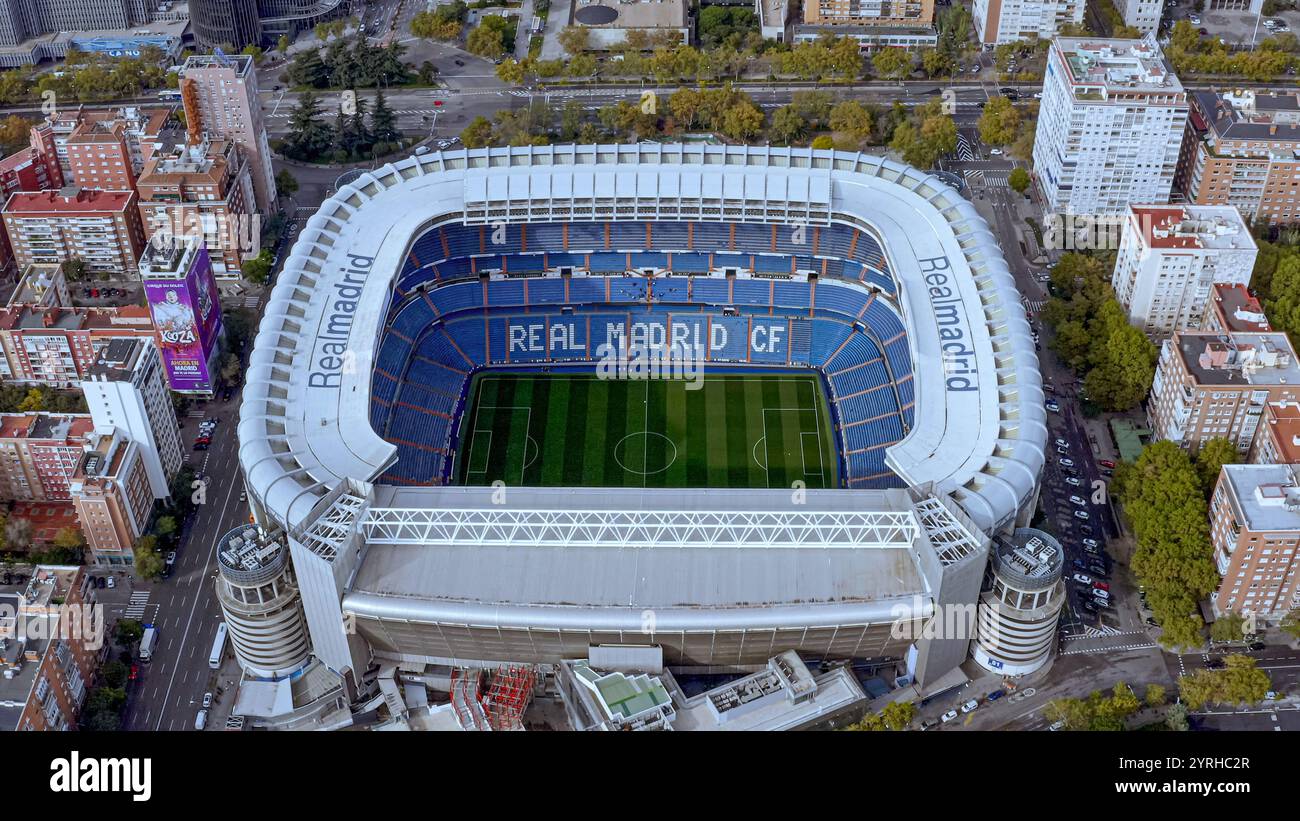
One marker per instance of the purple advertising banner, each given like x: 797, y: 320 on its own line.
x: 187, y: 317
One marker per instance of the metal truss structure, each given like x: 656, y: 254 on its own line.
x: 664, y: 529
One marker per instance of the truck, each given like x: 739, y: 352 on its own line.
x: 147, y: 644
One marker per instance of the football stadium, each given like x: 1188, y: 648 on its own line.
x: 512, y: 404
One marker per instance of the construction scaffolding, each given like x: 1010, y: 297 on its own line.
x: 492, y: 701
x: 508, y: 696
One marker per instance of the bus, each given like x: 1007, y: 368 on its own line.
x: 148, y: 642
x: 169, y: 94
x: 218, y: 647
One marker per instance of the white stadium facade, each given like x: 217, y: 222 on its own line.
x: 398, y: 571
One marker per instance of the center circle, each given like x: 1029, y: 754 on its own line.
x: 632, y: 453
x: 596, y: 15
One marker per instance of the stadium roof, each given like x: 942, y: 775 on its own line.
x: 979, y: 431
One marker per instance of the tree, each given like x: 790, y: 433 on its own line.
x: 1162, y: 496
x: 573, y: 39
x: 383, y: 123
x: 511, y: 71
x: 852, y: 118
x: 128, y: 632
x: 787, y: 126
x: 1176, y: 718
x: 258, y: 269
x: 1000, y: 122
x: 1228, y: 627
x: 148, y: 562
x: 308, y: 137
x: 925, y: 138
x: 584, y: 65
x: 1239, y: 682
x: 1074, y: 712
x: 1155, y: 695
x: 282, y: 45
x: 892, y: 63
x: 823, y: 142
x: 477, y: 134
x: 1210, y: 459
x: 742, y: 120
x: 897, y: 715
x: 869, y: 723
x: 69, y: 539
x: 14, y: 134
x: 286, y: 183
x: 114, y: 673
x: 1290, y: 623
x: 936, y: 63
x: 494, y: 37
x: 1018, y: 179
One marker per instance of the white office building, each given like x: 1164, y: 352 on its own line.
x: 127, y: 389
x: 1006, y: 21
x: 1110, y: 126
x: 1171, y: 257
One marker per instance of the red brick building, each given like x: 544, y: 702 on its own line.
x: 102, y: 228
x: 57, y: 346
x: 52, y: 649
x: 39, y: 453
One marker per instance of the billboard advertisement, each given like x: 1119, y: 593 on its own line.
x: 187, y: 318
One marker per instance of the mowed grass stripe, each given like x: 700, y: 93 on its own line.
x: 711, y: 434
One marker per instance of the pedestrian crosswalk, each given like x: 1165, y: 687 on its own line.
x: 252, y: 301
x: 1034, y: 305
x: 973, y: 178
x: 998, y: 178
x: 138, y: 605
x: 197, y: 414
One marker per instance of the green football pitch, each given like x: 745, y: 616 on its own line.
x: 579, y: 431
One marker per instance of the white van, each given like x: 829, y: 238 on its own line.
x: 201, y: 720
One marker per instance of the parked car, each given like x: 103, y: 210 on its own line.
x: 1097, y: 570
x: 1091, y: 543
x: 171, y: 557
x: 1057, y: 725
x: 201, y: 720
x: 1072, y: 480
x: 1080, y: 564
x: 1067, y: 463
x: 1101, y: 586
x: 1090, y: 606
x: 1098, y: 593
x: 1106, y: 463
x: 1053, y: 407
x: 929, y: 723
x: 1080, y: 514
x: 949, y: 716
x: 995, y: 695
x: 207, y: 700
x: 970, y: 706
x: 1061, y: 443
x: 1152, y: 622
x: 111, y: 583
x: 1082, y: 579
x: 1077, y: 500
x: 1256, y: 646
x: 134, y: 674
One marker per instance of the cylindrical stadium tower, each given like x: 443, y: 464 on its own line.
x: 232, y: 23
x: 1020, y: 604
x: 259, y: 598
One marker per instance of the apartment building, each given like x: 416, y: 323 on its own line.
x: 1277, y: 442
x: 41, y: 286
x: 111, y: 491
x: 1255, y: 529
x: 1143, y: 15
x: 1233, y: 308
x: 57, y: 347
x: 219, y: 94
x: 1216, y: 385
x: 142, y: 131
x: 126, y: 390
x: 28, y: 170
x: 101, y: 228
x: 39, y: 454
x: 1170, y: 258
x: 1110, y: 126
x: 869, y: 12
x: 99, y: 157
x: 204, y: 189
x: 53, y: 643
x: 1007, y: 21
x: 1242, y: 148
